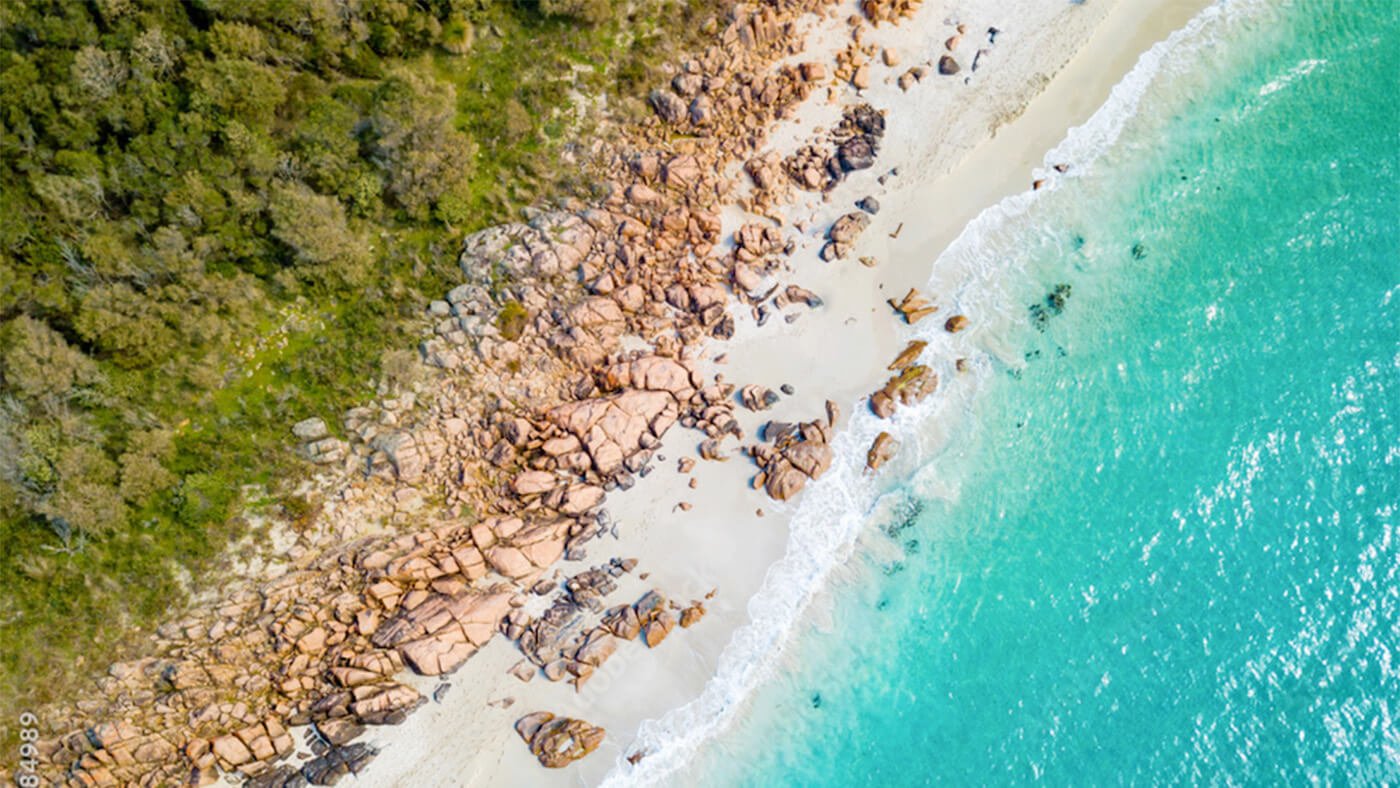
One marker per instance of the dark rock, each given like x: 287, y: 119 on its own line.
x: 339, y: 731
x: 701, y: 111
x: 669, y: 107
x: 285, y: 776
x: 868, y: 119
x: 857, y: 153
x: 947, y: 66
x: 869, y: 204
x: 331, y: 767
x: 775, y: 431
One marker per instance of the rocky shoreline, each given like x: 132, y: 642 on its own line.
x: 544, y: 402
x: 577, y: 341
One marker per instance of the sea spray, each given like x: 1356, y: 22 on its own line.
x: 830, y: 517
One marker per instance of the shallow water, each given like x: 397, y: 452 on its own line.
x: 1163, y: 547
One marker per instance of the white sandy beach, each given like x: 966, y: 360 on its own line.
x: 961, y: 144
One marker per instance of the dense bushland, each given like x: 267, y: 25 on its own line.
x: 218, y: 217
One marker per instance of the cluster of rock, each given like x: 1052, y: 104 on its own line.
x: 913, y: 307
x: 560, y: 642
x: 911, y: 382
x: 653, y: 617
x: 567, y: 643
x: 536, y: 411
x: 758, y: 397
x: 908, y: 386
x: 892, y: 11
x: 1052, y: 306
x: 331, y: 763
x: 793, y: 454
x: 558, y: 741
x: 843, y: 234
x: 852, y: 145
x: 295, y: 652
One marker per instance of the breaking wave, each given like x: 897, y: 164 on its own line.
x: 828, y: 521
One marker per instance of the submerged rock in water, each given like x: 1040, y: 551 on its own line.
x: 908, y: 355
x: 881, y: 451
x: 909, y: 387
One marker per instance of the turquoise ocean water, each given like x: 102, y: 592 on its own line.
x: 1152, y: 538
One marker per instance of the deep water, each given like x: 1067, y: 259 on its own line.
x: 1166, y: 550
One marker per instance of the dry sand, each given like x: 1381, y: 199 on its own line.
x: 961, y: 144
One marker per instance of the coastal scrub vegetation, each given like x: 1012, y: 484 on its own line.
x: 218, y: 218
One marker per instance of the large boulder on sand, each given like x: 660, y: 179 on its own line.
x: 558, y: 741
x: 784, y: 482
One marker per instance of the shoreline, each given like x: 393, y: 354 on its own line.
x: 1132, y: 53
x: 497, y: 480
x: 686, y: 559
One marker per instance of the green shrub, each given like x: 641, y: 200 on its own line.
x: 588, y: 11
x: 512, y: 320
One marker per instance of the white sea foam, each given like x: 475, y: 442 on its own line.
x: 1294, y: 74
x: 829, y: 519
